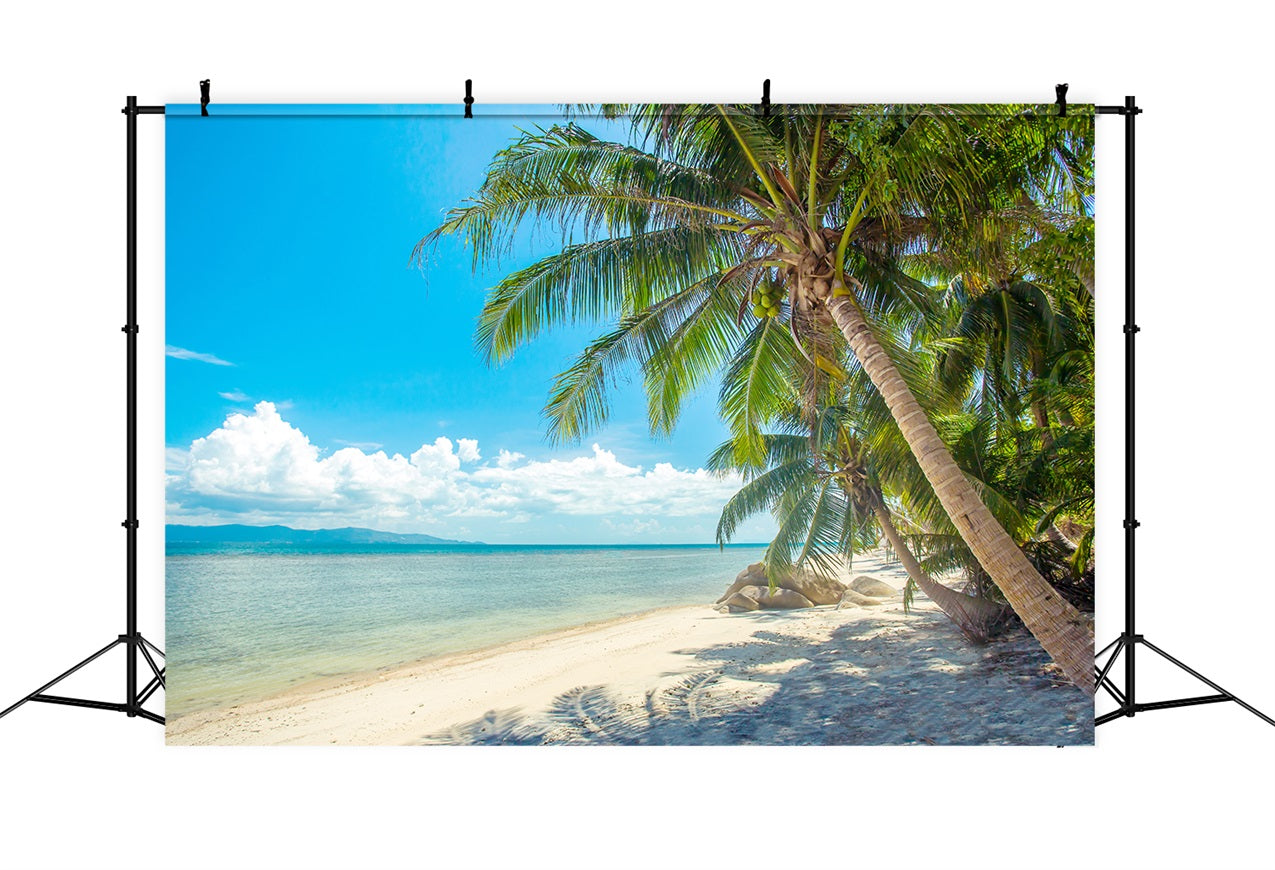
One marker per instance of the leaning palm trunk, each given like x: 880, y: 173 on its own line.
x: 978, y: 618
x: 1060, y: 628
x: 1055, y: 534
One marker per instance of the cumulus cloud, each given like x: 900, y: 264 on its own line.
x: 259, y: 468
x: 467, y: 449
x: 183, y: 353
x: 601, y: 484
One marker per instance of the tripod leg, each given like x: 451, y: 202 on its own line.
x: 147, y: 714
x: 1108, y: 717
x: 1099, y: 653
x: 1203, y: 679
x: 150, y: 688
x: 1102, y: 681
x: 145, y: 646
x: 159, y: 675
x: 1118, y: 643
x: 159, y: 652
x: 62, y: 676
x: 1116, y: 695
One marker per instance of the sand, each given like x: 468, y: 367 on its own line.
x: 691, y: 675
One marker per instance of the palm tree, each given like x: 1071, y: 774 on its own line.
x: 1018, y: 344
x: 1025, y: 484
x: 821, y: 206
x: 1010, y: 321
x: 978, y: 617
x: 827, y: 497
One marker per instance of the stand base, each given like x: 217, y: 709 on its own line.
x: 132, y: 706
x: 1129, y: 707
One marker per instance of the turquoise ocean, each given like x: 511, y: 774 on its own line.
x: 247, y: 621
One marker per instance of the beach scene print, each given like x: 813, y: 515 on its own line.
x: 630, y: 425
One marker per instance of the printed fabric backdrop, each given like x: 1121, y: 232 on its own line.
x: 630, y: 424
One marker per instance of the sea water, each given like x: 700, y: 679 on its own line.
x: 246, y: 621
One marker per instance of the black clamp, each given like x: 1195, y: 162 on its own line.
x: 765, y: 98
x: 1130, y: 329
x: 131, y: 329
x: 130, y: 524
x: 204, y: 99
x: 469, y: 98
x: 1131, y: 524
x: 1061, y: 91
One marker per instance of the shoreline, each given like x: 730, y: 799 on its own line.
x: 347, y: 615
x: 343, y: 695
x: 684, y: 675
x: 313, y: 685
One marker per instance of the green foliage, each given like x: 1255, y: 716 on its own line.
x: 709, y: 254
x: 909, y: 595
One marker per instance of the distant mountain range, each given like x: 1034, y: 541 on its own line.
x: 240, y: 534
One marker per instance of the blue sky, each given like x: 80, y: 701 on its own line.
x: 309, y: 362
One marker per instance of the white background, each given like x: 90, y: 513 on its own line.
x: 1184, y: 788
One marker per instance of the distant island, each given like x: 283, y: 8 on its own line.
x: 241, y: 534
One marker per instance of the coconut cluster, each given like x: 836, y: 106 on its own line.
x: 766, y: 301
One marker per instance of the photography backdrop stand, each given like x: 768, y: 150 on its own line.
x: 1129, y: 640
x: 132, y: 641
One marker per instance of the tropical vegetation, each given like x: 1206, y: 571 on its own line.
x: 895, y: 303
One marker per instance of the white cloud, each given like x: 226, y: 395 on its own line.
x: 235, y: 396
x: 183, y: 353
x: 468, y: 450
x: 601, y: 484
x: 259, y: 468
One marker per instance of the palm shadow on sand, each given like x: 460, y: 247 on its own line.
x: 876, y: 681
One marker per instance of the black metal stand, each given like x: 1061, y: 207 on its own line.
x: 1127, y: 643
x: 131, y: 640
x: 1129, y: 640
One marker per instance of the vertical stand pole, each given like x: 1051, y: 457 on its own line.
x: 1130, y: 330
x: 131, y: 639
x: 1129, y: 641
x: 130, y: 329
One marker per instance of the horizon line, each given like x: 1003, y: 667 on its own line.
x: 449, y: 541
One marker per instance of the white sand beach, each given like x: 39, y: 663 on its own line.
x: 691, y: 675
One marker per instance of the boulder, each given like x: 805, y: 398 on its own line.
x: 752, y: 597
x: 850, y: 598
x: 753, y: 575
x: 816, y: 589
x: 739, y: 603
x: 820, y: 590
x: 783, y: 599
x: 872, y: 586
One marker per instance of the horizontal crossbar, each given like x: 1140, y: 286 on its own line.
x: 1107, y: 717
x: 78, y: 702
x: 1183, y: 702
x: 1163, y: 705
